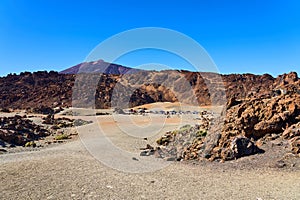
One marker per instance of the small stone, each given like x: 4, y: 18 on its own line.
x: 293, y: 165
x: 3, y: 150
x: 144, y: 153
x: 277, y: 143
x: 134, y: 158
x: 50, y: 197
x: 171, y: 159
x: 280, y: 164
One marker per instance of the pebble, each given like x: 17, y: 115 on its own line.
x: 134, y: 158
x: 109, y: 187
x: 50, y: 197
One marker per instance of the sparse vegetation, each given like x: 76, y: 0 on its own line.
x: 201, y: 133
x: 30, y: 144
x: 62, y: 137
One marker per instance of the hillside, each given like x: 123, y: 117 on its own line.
x: 55, y: 89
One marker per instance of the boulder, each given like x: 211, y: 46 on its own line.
x: 295, y: 144
x: 242, y: 146
x: 292, y: 131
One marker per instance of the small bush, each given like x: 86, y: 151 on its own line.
x: 175, y: 132
x: 201, y: 133
x: 187, y: 126
x: 30, y: 144
x: 62, y: 137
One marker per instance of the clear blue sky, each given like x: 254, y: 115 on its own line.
x: 256, y: 36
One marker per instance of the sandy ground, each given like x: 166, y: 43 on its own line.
x: 71, y: 171
x: 177, y: 106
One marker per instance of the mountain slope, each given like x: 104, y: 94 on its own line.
x: 99, y: 66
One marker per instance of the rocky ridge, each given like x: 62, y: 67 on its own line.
x: 52, y: 89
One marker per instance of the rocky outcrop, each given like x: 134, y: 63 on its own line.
x: 258, y: 117
x: 292, y: 134
x: 18, y: 130
x: 22, y: 131
x: 63, y: 122
x: 33, y: 90
x: 246, y: 123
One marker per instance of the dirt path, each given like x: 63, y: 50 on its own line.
x: 69, y: 171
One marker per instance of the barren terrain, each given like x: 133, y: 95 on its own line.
x: 69, y: 171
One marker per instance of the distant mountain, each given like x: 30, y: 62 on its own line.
x: 100, y: 66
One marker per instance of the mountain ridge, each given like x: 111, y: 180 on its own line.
x: 54, y: 89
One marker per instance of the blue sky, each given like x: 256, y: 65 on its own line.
x: 241, y: 36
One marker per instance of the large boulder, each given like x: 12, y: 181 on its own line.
x: 242, y: 146
x: 292, y: 133
x: 257, y: 117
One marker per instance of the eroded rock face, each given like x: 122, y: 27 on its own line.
x: 258, y: 117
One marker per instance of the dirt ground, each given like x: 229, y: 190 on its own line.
x: 92, y: 170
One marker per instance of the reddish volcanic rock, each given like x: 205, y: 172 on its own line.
x: 248, y: 122
x: 18, y: 130
x: 52, y: 89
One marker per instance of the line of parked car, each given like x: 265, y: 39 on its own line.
x: 163, y: 112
